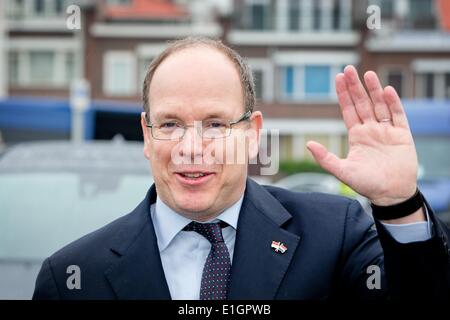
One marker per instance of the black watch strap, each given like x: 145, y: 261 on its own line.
x: 399, y: 210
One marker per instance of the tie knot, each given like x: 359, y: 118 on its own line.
x: 211, y: 231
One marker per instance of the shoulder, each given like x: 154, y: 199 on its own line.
x: 95, y: 248
x: 92, y: 255
x: 319, y: 209
x: 316, y: 201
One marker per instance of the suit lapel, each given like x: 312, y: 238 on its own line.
x: 138, y: 274
x: 257, y: 270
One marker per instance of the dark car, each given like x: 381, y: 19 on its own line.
x: 52, y: 193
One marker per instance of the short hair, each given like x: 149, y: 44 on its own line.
x: 245, y: 73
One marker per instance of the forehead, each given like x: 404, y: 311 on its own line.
x: 196, y: 80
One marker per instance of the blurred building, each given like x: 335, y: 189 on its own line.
x: 295, y: 47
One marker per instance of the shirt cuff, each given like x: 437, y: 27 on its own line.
x: 411, y: 232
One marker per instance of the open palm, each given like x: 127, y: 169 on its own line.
x: 382, y: 160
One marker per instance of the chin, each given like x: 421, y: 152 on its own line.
x: 199, y: 204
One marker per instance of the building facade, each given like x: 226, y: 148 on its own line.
x: 295, y: 48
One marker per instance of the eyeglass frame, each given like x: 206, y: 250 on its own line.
x: 244, y: 117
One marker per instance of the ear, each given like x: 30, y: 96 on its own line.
x: 147, y: 136
x: 256, y: 123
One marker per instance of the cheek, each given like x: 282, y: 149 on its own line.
x: 228, y: 151
x: 160, y: 157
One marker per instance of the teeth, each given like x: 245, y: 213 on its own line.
x: 193, y: 175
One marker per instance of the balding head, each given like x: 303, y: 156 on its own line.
x: 242, y: 69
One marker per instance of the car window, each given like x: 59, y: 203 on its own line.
x: 434, y: 156
x: 41, y: 212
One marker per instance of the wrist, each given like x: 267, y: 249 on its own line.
x: 417, y: 216
x: 401, y: 210
x: 391, y: 201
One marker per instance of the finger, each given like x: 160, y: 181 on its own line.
x: 376, y: 94
x: 345, y: 102
x: 395, y: 106
x: 325, y: 159
x: 361, y: 100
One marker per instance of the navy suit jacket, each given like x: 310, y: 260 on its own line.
x: 330, y: 243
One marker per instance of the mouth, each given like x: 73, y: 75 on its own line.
x: 194, y: 178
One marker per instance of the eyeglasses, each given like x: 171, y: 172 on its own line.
x: 210, y: 129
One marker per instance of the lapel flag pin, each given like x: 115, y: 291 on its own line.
x: 278, y: 246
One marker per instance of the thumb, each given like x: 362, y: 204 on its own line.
x: 325, y: 159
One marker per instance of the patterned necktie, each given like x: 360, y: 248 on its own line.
x: 216, y: 272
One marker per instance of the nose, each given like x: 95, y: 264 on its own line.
x: 191, y: 145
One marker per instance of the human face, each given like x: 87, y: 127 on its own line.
x: 196, y: 84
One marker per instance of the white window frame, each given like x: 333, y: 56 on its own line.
x: 49, y: 8
x: 384, y: 72
x: 299, y: 85
x: 267, y: 69
x: 147, y: 52
x: 249, y: 3
x: 111, y: 57
x: 300, y: 59
x: 438, y: 67
x: 59, y: 79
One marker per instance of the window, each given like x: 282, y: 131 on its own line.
x: 59, y: 6
x: 15, y: 8
x: 308, y: 82
x: 119, y: 74
x: 49, y: 69
x: 39, y: 7
x: 395, y: 79
x: 258, y: 79
x: 263, y: 73
x: 386, y: 6
x: 428, y: 85
x: 118, y: 2
x: 294, y: 15
x: 317, y: 15
x: 421, y: 14
x: 432, y: 80
x: 258, y: 16
x: 447, y: 86
x: 41, y: 68
x: 289, y: 82
x: 48, y: 8
x: 13, y: 62
x: 336, y: 15
x: 144, y: 63
x: 70, y: 67
x: 433, y: 154
x: 317, y: 80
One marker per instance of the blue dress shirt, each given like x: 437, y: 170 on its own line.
x: 184, y: 253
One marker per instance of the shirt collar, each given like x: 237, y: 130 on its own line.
x: 168, y: 223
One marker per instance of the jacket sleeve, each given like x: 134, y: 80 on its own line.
x: 418, y: 270
x: 360, y: 273
x: 415, y: 270
x: 45, y: 288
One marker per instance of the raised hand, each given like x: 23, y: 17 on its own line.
x: 382, y: 162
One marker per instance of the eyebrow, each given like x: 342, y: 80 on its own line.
x: 166, y: 115
x: 171, y: 115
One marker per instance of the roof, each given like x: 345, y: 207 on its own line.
x: 146, y: 9
x: 100, y: 157
x: 444, y: 11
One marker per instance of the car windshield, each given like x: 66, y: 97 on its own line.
x: 43, y: 211
x: 434, y: 156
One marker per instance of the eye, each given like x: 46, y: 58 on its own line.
x: 217, y: 124
x: 169, y: 125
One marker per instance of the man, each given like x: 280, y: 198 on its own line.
x: 206, y: 231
